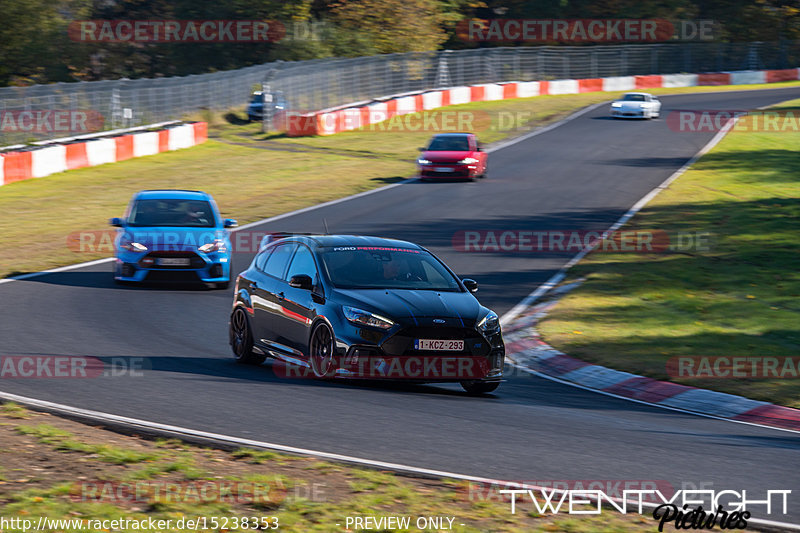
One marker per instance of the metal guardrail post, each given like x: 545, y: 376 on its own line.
x: 267, y: 103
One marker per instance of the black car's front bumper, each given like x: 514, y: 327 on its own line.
x: 395, y: 356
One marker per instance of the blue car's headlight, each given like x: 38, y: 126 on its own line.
x: 133, y: 247
x: 490, y: 323
x: 365, y: 318
x: 216, y: 246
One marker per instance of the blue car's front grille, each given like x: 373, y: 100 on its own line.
x: 153, y: 260
x: 172, y: 276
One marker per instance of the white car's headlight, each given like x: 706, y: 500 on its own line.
x: 134, y: 247
x: 423, y: 161
x: 216, y: 246
x: 365, y: 318
x: 468, y: 161
x: 616, y: 104
x: 489, y: 323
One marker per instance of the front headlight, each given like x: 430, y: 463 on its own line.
x: 365, y: 318
x: 468, y: 161
x: 616, y: 104
x: 423, y: 162
x: 489, y: 323
x: 216, y: 246
x: 133, y: 247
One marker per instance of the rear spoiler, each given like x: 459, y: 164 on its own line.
x: 269, y: 238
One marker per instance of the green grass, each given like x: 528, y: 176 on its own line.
x: 64, y: 441
x: 251, y: 175
x: 738, y: 298
x: 255, y: 456
x: 13, y: 410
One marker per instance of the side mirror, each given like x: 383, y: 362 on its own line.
x: 422, y: 149
x: 470, y: 284
x: 301, y: 281
x: 229, y: 223
x: 116, y: 222
x: 480, y: 147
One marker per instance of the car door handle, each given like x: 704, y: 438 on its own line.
x: 281, y: 296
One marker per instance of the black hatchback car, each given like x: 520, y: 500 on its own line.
x: 343, y: 306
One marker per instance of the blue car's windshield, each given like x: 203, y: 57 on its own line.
x: 377, y: 267
x: 172, y: 212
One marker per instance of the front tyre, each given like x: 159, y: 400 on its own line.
x: 475, y: 388
x: 241, y: 339
x: 321, y: 352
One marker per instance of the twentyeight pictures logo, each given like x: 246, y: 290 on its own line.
x: 177, y: 31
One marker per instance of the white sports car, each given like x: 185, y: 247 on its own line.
x: 636, y: 105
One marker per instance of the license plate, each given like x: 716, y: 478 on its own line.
x: 438, y: 345
x: 173, y: 261
x: 443, y: 169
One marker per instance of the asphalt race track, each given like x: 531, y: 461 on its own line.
x: 581, y: 175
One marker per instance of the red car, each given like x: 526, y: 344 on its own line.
x: 453, y: 155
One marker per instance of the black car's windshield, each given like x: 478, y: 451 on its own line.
x: 449, y: 144
x: 172, y: 212
x: 634, y: 98
x: 377, y: 267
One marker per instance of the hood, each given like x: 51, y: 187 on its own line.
x: 446, y: 157
x: 414, y: 306
x: 169, y: 238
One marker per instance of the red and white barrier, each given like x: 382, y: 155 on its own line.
x: 40, y: 162
x: 331, y: 121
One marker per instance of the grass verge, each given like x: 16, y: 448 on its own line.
x: 251, y: 175
x: 171, y: 480
x: 737, y: 298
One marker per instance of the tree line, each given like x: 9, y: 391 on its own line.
x: 43, y: 41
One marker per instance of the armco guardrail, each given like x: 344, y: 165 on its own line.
x: 38, y: 162
x: 328, y: 122
x: 66, y: 109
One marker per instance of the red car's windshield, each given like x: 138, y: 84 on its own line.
x: 449, y: 144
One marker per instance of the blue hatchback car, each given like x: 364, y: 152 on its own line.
x: 172, y: 236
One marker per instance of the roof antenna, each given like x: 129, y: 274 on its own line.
x: 325, y: 223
